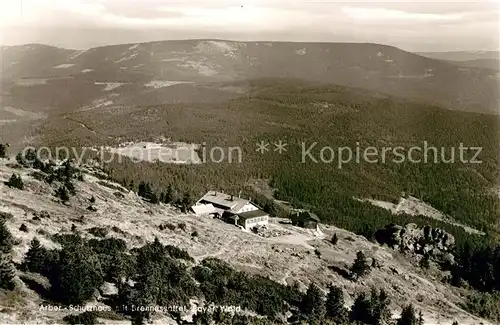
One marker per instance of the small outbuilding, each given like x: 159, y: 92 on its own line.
x: 305, y: 219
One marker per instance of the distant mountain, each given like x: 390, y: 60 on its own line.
x: 479, y: 59
x: 492, y: 64
x: 69, y: 79
x: 462, y: 55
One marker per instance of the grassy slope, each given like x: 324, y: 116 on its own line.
x: 137, y: 222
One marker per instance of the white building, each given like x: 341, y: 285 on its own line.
x: 251, y: 219
x: 241, y: 211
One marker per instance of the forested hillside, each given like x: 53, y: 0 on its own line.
x: 299, y: 114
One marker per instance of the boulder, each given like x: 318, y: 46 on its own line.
x: 449, y: 258
x: 422, y: 241
x: 108, y: 289
x: 44, y: 214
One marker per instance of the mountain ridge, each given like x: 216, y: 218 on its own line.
x: 376, y: 67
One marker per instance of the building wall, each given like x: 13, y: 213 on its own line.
x: 310, y: 224
x: 260, y: 221
x: 247, y: 207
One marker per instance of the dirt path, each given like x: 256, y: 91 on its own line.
x: 88, y: 128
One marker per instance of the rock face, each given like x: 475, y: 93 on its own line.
x: 433, y: 242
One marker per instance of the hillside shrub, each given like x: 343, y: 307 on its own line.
x: 98, y: 231
x: 178, y: 253
x: 77, y: 275
x: 15, y: 181
x: 222, y: 285
x: 486, y: 305
x: 85, y: 318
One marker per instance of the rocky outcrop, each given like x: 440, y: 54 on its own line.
x: 432, y: 242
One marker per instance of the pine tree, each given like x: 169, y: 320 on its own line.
x: 360, y: 266
x: 169, y: 194
x: 360, y: 310
x: 408, y: 316
x: 270, y: 208
x: 421, y: 318
x: 19, y: 183
x: 147, y: 191
x: 6, y: 239
x: 3, y: 150
x: 153, y: 198
x: 62, y: 193
x: 335, y: 239
x: 35, y: 258
x: 186, y: 201
x: 15, y: 181
x: 496, y: 266
x: 313, y: 305
x: 335, y: 308
x: 424, y: 261
x: 68, y: 170
x: 142, y: 189
x: 380, y: 307
x: 7, y: 272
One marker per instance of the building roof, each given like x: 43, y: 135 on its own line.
x: 252, y: 214
x: 224, y: 200
x: 308, y: 215
x: 203, y: 209
x: 206, y: 209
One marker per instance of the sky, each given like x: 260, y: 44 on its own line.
x: 411, y: 25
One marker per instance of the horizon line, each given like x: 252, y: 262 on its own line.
x: 252, y: 41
